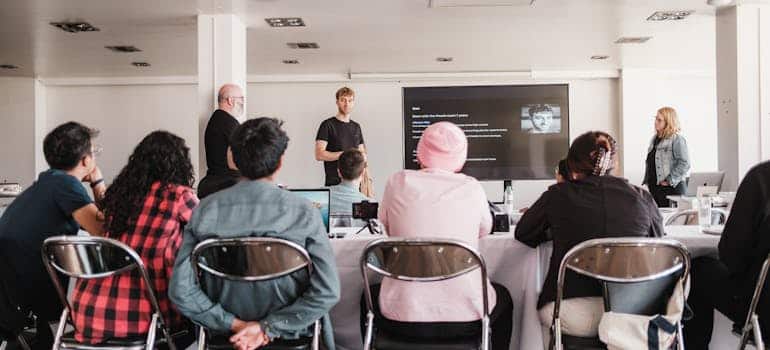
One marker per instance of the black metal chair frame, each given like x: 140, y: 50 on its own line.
x: 752, y: 319
x: 395, y: 243
x: 607, y: 244
x: 68, y: 246
x: 198, y: 266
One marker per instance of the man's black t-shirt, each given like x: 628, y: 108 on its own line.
x: 41, y: 211
x: 341, y: 136
x: 217, y: 139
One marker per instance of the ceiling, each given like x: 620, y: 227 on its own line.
x: 359, y: 36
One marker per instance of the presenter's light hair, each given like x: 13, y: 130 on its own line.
x: 344, y: 92
x: 672, y: 122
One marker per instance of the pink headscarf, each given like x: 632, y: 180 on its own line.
x: 443, y: 145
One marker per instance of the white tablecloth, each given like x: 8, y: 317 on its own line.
x: 519, y: 268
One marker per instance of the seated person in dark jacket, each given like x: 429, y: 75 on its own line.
x: 728, y: 284
x: 590, y: 204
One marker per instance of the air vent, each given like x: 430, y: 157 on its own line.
x: 279, y: 22
x: 303, y: 45
x: 8, y: 66
x: 290, y: 62
x: 444, y: 59
x: 123, y: 48
x: 669, y: 15
x: 75, y: 27
x: 599, y: 57
x: 633, y: 40
x: 140, y: 64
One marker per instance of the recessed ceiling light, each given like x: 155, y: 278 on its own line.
x: 285, y: 22
x: 8, y: 66
x: 444, y: 59
x: 290, y: 62
x: 303, y: 45
x: 599, y: 57
x: 669, y: 15
x: 75, y: 27
x: 123, y: 48
x: 633, y: 40
x: 140, y: 64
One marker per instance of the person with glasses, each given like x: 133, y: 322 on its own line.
x: 56, y: 204
x: 217, y: 140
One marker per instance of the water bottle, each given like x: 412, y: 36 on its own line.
x: 704, y: 211
x: 508, y: 199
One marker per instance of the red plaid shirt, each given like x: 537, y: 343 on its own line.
x: 117, y: 306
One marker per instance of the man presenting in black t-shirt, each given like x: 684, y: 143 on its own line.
x: 338, y: 134
x: 217, y: 140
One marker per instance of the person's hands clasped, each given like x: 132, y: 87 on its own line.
x: 665, y: 183
x: 250, y: 336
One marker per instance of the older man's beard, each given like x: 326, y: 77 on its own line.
x: 239, y: 113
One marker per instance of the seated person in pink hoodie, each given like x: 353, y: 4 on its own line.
x: 437, y: 201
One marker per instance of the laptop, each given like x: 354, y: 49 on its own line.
x: 320, y: 197
x: 713, y: 179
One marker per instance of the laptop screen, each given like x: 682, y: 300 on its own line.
x: 320, y: 198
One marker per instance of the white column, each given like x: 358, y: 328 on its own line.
x: 221, y: 60
x: 743, y: 65
x: 40, y: 126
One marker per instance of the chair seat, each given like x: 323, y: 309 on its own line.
x: 385, y: 341
x: 221, y: 341
x: 68, y: 341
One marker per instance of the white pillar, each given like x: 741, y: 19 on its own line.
x: 743, y: 66
x: 221, y: 60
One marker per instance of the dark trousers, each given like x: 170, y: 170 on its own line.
x: 712, y: 288
x: 501, y: 322
x: 659, y: 193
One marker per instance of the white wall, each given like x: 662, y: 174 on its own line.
x: 124, y: 115
x: 594, y: 105
x: 17, y: 112
x: 692, y: 94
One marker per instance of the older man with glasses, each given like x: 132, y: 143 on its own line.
x: 217, y: 140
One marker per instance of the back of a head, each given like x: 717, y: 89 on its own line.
x: 351, y: 164
x: 160, y: 157
x: 67, y: 144
x: 443, y: 145
x: 592, y: 153
x: 671, y: 119
x: 257, y: 147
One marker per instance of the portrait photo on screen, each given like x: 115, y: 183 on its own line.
x: 542, y: 118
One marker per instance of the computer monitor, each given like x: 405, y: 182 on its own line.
x: 704, y: 179
x: 320, y: 197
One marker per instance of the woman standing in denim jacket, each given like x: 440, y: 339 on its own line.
x: 668, y: 160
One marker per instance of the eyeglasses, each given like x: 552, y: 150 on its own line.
x: 96, y: 150
x: 243, y: 98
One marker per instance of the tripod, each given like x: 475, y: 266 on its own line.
x: 371, y: 224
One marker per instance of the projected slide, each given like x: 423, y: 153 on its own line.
x: 514, y: 131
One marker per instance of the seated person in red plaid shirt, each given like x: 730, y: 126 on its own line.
x: 146, y: 207
x: 259, y: 312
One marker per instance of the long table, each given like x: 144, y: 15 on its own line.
x: 519, y: 268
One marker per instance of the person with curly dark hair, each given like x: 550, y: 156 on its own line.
x: 56, y: 204
x: 146, y: 207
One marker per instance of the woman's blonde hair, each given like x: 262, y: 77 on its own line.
x: 671, y: 120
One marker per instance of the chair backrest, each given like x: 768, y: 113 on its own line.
x: 690, y: 217
x: 249, y: 258
x: 421, y: 260
x: 651, y: 262
x: 89, y: 257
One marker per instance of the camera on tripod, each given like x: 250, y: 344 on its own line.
x: 365, y: 210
